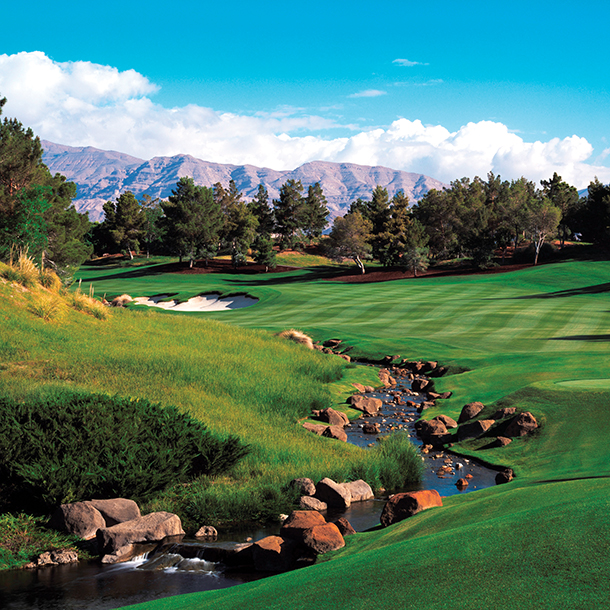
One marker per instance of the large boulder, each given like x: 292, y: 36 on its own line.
x: 521, y: 425
x: 332, y: 417
x: 418, y: 385
x: 432, y: 427
x: 117, y: 510
x: 505, y: 476
x: 274, y: 554
x: 504, y: 412
x: 299, y: 521
x: 315, y: 428
x: 334, y: 494
x: 309, y: 503
x: 403, y: 505
x: 345, y: 527
x: 360, y: 490
x: 323, y: 538
x: 79, y: 518
x: 445, y: 419
x: 336, y: 432
x: 366, y: 404
x: 150, y: 528
x: 474, y: 429
x: 472, y: 409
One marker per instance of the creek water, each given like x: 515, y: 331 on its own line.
x: 93, y: 586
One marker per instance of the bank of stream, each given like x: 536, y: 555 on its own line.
x: 177, y: 571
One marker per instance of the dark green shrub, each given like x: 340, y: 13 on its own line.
x: 70, y: 446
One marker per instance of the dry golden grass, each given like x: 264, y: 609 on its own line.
x: 121, y: 301
x: 297, y: 336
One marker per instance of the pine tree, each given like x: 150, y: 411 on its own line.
x: 259, y: 206
x: 314, y: 212
x: 288, y: 211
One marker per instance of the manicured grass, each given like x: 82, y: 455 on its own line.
x: 537, y: 339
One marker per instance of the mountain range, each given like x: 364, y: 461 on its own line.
x: 102, y: 175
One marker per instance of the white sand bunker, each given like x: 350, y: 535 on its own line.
x: 203, y: 302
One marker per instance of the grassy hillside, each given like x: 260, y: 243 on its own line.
x: 537, y: 339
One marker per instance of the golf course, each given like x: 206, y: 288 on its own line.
x: 536, y: 339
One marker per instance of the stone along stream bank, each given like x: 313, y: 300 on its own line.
x: 193, y: 565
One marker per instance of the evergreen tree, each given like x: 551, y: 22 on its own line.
x: 259, y: 206
x: 128, y: 222
x: 565, y: 198
x: 288, y: 211
x: 240, y: 231
x: 264, y: 254
x: 314, y: 212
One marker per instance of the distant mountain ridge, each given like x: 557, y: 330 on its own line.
x: 103, y: 175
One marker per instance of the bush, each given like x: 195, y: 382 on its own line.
x: 68, y: 446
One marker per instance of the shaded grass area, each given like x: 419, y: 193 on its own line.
x: 528, y: 339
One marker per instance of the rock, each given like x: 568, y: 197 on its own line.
x: 403, y: 505
x: 366, y: 404
x: 54, y: 558
x: 505, y: 476
x: 305, y: 486
x: 461, y: 483
x: 431, y: 427
x: 445, y: 395
x: 345, y: 357
x: 332, y: 342
x: 445, y: 419
x: 474, y: 429
x: 521, y: 425
x: 117, y: 510
x: 323, y: 538
x: 150, y: 528
x: 502, y: 441
x: 439, y: 371
x: 418, y: 385
x: 359, y: 387
x: 335, y: 432
x: 334, y: 494
x: 472, y: 409
x: 125, y: 553
x: 309, y: 503
x: 505, y: 412
x: 315, y: 428
x: 299, y: 521
x: 360, y: 490
x: 332, y: 417
x: 79, y: 518
x: 207, y: 531
x: 370, y: 428
x: 345, y: 527
x: 368, y: 389
x: 274, y: 554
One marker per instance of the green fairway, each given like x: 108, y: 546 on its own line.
x: 537, y: 339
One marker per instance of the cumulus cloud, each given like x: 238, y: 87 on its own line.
x: 85, y: 104
x: 408, y: 63
x: 369, y: 93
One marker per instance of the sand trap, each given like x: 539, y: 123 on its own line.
x: 203, y: 302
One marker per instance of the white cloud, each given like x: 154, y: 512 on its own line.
x: 369, y: 93
x: 79, y: 103
x: 408, y: 63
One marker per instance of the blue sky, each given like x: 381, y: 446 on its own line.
x: 278, y: 84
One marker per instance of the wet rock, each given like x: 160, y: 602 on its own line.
x: 445, y: 419
x: 426, y: 429
x: 505, y: 476
x: 207, y: 531
x: 345, y: 357
x: 472, y: 409
x: 332, y: 417
x: 359, y: 387
x: 370, y: 428
x: 305, y: 486
x: 79, y: 518
x: 418, y: 385
x: 335, y: 432
x: 345, y: 527
x: 322, y: 539
x: 274, y: 554
x: 474, y: 429
x: 309, y: 503
x: 334, y: 494
x: 368, y: 389
x: 360, y: 490
x: 125, y: 553
x: 462, y: 483
x: 521, y: 425
x: 315, y: 428
x: 150, y: 528
x: 403, y: 505
x: 366, y: 404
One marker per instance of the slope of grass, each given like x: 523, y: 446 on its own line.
x: 532, y: 339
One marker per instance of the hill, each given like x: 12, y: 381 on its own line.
x: 103, y: 175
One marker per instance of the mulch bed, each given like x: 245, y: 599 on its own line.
x: 222, y: 266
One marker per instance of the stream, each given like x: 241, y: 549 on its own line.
x: 94, y: 586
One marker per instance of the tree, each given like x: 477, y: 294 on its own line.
x: 314, y: 212
x: 350, y: 237
x: 264, y: 253
x: 416, y: 259
x: 543, y: 220
x: 126, y: 222
x: 259, y: 206
x: 240, y: 231
x: 152, y: 231
x: 565, y: 198
x: 192, y: 220
x: 288, y: 211
x: 592, y: 217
